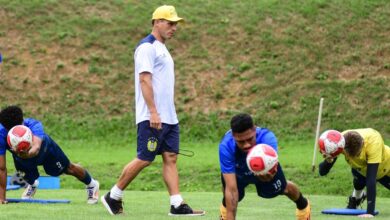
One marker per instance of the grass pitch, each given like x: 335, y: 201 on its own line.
x: 155, y: 205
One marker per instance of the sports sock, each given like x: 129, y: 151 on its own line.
x: 116, y: 193
x: 87, y: 178
x: 357, y: 193
x: 35, y: 184
x: 301, y: 202
x: 176, y: 200
x: 93, y: 183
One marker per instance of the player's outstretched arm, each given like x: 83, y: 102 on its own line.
x: 372, y: 170
x: 326, y: 165
x: 36, y: 146
x: 3, y: 179
x: 231, y: 195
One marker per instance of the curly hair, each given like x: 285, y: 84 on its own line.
x: 11, y: 116
x: 241, y: 122
x: 353, y: 143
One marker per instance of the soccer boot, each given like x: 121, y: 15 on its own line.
x: 30, y: 190
x: 304, y: 214
x: 185, y: 210
x: 222, y: 212
x: 93, y: 193
x: 353, y: 202
x: 114, y: 207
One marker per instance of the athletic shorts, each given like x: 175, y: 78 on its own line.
x: 51, y: 157
x: 267, y: 190
x: 151, y: 141
x: 361, y: 180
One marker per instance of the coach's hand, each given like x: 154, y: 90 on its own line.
x: 155, y: 120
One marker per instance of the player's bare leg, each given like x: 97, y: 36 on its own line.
x: 112, y: 201
x: 303, y: 210
x: 130, y: 171
x: 170, y: 173
x: 171, y: 179
x: 92, y: 186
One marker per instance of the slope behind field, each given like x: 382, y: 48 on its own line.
x: 73, y: 59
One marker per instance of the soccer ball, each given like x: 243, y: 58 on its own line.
x: 19, y: 138
x: 261, y: 159
x: 331, y: 143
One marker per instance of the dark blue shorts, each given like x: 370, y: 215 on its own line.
x: 267, y: 190
x: 360, y: 180
x: 151, y: 142
x: 51, y: 157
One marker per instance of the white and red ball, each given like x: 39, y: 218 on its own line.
x: 261, y: 159
x: 20, y: 138
x: 331, y: 143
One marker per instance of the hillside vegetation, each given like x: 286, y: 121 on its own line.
x: 72, y: 62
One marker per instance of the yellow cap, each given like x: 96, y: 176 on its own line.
x: 166, y: 12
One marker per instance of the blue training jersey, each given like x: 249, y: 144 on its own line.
x: 35, y: 126
x: 233, y: 160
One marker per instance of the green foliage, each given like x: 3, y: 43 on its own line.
x: 280, y: 59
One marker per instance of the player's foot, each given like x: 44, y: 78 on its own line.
x: 185, y: 210
x: 30, y: 190
x: 304, y: 214
x: 114, y: 207
x: 93, y: 193
x: 353, y: 202
x: 222, y: 212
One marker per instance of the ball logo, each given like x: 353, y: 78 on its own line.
x: 152, y: 144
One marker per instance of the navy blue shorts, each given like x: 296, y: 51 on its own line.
x: 151, y: 141
x: 266, y: 190
x: 51, y: 157
x: 360, y: 180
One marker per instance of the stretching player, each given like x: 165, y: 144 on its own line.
x: 369, y: 159
x: 235, y: 175
x: 44, y: 151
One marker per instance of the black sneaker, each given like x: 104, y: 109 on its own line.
x: 353, y: 203
x: 185, y: 210
x: 114, y: 207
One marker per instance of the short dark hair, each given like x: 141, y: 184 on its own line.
x: 11, y: 116
x: 353, y: 143
x: 241, y: 122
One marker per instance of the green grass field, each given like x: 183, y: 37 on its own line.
x: 105, y: 159
x: 146, y: 197
x: 155, y: 205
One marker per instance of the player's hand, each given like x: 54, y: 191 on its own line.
x: 365, y: 216
x: 23, y: 154
x: 328, y: 158
x: 33, y: 151
x: 265, y: 177
x: 269, y: 176
x: 3, y: 202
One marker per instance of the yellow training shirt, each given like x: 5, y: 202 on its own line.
x: 374, y: 151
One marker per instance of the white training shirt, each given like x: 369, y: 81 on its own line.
x: 152, y: 56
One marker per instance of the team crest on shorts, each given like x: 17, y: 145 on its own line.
x: 152, y: 144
